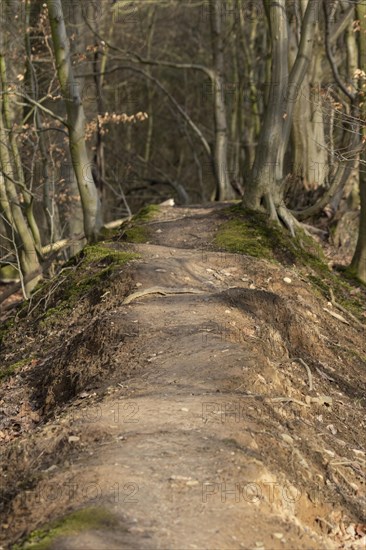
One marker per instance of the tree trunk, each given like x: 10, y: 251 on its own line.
x: 309, y: 149
x: 15, y: 155
x: 23, y: 242
x: 250, y: 118
x: 50, y: 207
x: 359, y: 259
x: 150, y: 121
x: 266, y: 186
x: 76, y: 122
x: 224, y: 190
x: 268, y: 165
x: 11, y: 193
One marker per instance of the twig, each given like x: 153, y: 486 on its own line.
x: 341, y: 308
x: 284, y: 399
x: 310, y: 376
x: 331, y: 59
x: 324, y: 375
x: 322, y: 520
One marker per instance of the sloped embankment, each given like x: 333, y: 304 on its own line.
x: 192, y: 389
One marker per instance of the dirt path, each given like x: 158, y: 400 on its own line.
x: 211, y: 442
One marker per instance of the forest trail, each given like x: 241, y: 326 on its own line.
x: 231, y: 420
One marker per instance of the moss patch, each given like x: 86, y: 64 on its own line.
x: 83, y: 275
x: 350, y: 274
x: 147, y: 213
x: 136, y: 231
x: 77, y: 522
x: 11, y: 369
x: 136, y: 234
x: 251, y: 233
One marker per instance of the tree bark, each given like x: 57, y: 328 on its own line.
x: 76, y: 122
x: 15, y: 155
x: 267, y: 183
x: 309, y: 150
x: 24, y: 245
x: 50, y: 207
x: 224, y: 190
x: 13, y: 191
x: 266, y: 170
x: 358, y: 263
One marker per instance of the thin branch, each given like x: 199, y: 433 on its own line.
x: 168, y: 94
x: 133, y: 57
x: 192, y: 66
x: 341, y: 26
x: 330, y: 57
x: 44, y: 109
x: 308, y: 371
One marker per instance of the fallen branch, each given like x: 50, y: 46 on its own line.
x: 341, y: 308
x: 310, y: 376
x: 116, y: 223
x: 336, y: 316
x: 59, y: 245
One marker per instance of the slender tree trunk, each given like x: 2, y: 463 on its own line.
x: 25, y: 248
x: 50, y: 207
x: 15, y: 156
x: 76, y: 122
x: 13, y: 191
x: 351, y: 130
x: 352, y: 184
x: 150, y: 122
x: 250, y: 121
x: 224, y: 190
x: 359, y: 259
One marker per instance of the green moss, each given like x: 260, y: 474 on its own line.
x: 86, y: 272
x: 251, y: 233
x: 102, y: 252
x: 72, y: 524
x: 11, y: 369
x: 9, y: 273
x: 98, y: 262
x: 350, y: 274
x: 342, y: 292
x: 136, y: 231
x: 147, y: 213
x: 235, y: 236
x: 136, y: 234
x: 54, y: 313
x: 108, y: 233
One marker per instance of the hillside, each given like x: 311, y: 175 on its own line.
x: 195, y: 381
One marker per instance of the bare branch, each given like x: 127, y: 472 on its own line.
x: 40, y: 106
x: 330, y: 57
x: 168, y: 94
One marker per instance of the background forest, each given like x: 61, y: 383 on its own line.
x: 109, y: 105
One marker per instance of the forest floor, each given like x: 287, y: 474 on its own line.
x: 222, y: 409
